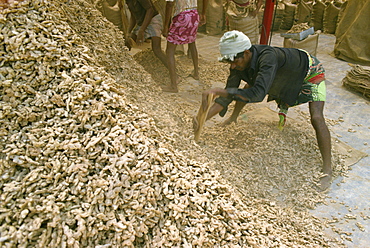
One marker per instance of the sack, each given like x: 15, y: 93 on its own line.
x: 236, y: 10
x: 352, y: 34
x: 330, y: 18
x: 247, y: 25
x: 318, y: 10
x: 303, y: 12
x: 309, y: 44
x: 215, y: 17
x: 279, y: 15
x: 341, y: 11
x: 112, y: 13
x: 288, y: 19
x: 358, y: 79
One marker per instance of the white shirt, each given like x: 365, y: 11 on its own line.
x: 182, y: 5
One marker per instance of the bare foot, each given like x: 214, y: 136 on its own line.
x: 170, y: 89
x: 325, y: 182
x: 194, y: 75
x: 178, y: 80
x: 228, y: 122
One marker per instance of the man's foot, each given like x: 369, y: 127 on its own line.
x: 178, y: 80
x: 194, y: 75
x: 228, y: 122
x: 325, y: 182
x: 170, y: 89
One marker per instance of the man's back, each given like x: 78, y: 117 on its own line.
x: 138, y: 8
x: 278, y: 71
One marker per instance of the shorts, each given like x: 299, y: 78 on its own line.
x: 154, y: 28
x: 184, y: 27
x: 313, y: 88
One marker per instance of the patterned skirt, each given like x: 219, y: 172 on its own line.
x: 184, y: 27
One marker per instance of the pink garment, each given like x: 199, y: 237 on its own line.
x: 182, y: 5
x: 184, y: 27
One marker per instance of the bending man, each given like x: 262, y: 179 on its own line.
x: 146, y: 23
x: 287, y: 75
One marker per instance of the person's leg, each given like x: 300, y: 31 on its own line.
x: 194, y: 56
x: 170, y: 54
x: 323, y: 140
x: 157, y: 49
x: 189, y: 53
x: 238, y: 107
x: 214, y: 109
x: 234, y: 116
x: 134, y: 36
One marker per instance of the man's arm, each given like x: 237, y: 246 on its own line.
x: 203, y: 19
x: 150, y: 11
x: 128, y: 40
x: 132, y: 23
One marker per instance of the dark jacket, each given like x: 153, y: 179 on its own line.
x: 278, y: 72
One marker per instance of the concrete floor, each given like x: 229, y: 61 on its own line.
x: 349, y: 197
x: 347, y: 208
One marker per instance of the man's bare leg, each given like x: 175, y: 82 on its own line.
x: 157, y: 49
x: 170, y: 54
x: 234, y: 116
x: 215, y: 109
x: 238, y: 107
x: 323, y: 140
x: 194, y: 55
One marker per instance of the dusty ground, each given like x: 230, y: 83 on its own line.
x: 253, y: 154
x: 347, y: 115
x: 260, y: 162
x: 275, y: 172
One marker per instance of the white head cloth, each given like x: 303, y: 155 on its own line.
x: 232, y: 43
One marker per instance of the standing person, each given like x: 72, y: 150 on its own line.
x: 287, y: 75
x: 181, y: 28
x: 242, y: 15
x: 146, y: 23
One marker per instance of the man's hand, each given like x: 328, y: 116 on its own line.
x: 165, y: 31
x: 214, y: 91
x: 203, y: 20
x: 140, y: 37
x: 129, y: 42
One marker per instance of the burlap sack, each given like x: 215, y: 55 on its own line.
x: 112, y: 13
x: 239, y: 19
x: 352, y: 34
x: 247, y: 25
x: 111, y: 2
x: 303, y: 12
x: 358, y: 80
x: 215, y: 17
x: 330, y: 18
x: 309, y: 44
x: 278, y: 17
x: 289, y: 13
x: 318, y: 10
x: 238, y: 9
x: 341, y: 11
